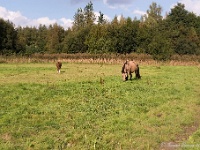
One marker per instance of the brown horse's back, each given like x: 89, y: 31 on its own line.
x: 59, y: 65
x: 132, y: 66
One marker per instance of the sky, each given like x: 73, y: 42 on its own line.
x: 35, y: 12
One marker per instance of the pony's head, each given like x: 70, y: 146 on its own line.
x: 124, y: 76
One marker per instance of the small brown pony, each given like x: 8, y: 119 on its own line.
x: 58, y: 66
x: 128, y: 68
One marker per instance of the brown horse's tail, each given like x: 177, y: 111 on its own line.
x: 137, y: 72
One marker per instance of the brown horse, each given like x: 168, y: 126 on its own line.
x: 128, y: 68
x: 58, y: 66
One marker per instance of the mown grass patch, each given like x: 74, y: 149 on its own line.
x: 41, y: 109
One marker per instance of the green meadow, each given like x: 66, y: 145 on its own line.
x: 88, y: 106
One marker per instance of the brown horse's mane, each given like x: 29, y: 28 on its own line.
x: 123, y: 67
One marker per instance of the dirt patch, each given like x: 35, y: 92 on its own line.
x: 180, y: 138
x: 6, y: 137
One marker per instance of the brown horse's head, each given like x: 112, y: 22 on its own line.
x: 124, y: 76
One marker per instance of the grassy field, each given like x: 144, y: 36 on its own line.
x: 88, y: 106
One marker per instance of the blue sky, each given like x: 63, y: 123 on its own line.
x: 35, y: 12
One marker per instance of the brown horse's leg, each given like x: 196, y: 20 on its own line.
x: 126, y: 76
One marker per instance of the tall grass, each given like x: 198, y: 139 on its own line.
x: 100, y: 58
x: 88, y: 106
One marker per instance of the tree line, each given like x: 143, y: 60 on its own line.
x: 176, y: 33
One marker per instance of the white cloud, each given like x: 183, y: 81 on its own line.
x: 11, y: 15
x: 192, y: 5
x: 118, y: 3
x: 139, y: 12
x: 119, y: 17
x: 66, y: 23
x: 19, y: 20
x: 78, y: 1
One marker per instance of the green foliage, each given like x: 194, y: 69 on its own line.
x: 182, y: 25
x: 153, y: 16
x: 42, y: 39
x: 79, y: 20
x: 178, y: 15
x: 31, y: 50
x: 55, y: 39
x: 85, y: 17
x: 7, y: 37
x: 188, y: 42
x: 160, y: 45
x: 89, y: 15
x: 160, y: 48
x: 101, y: 19
x: 176, y: 33
x: 76, y: 42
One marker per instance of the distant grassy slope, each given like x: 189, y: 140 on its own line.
x: 40, y: 109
